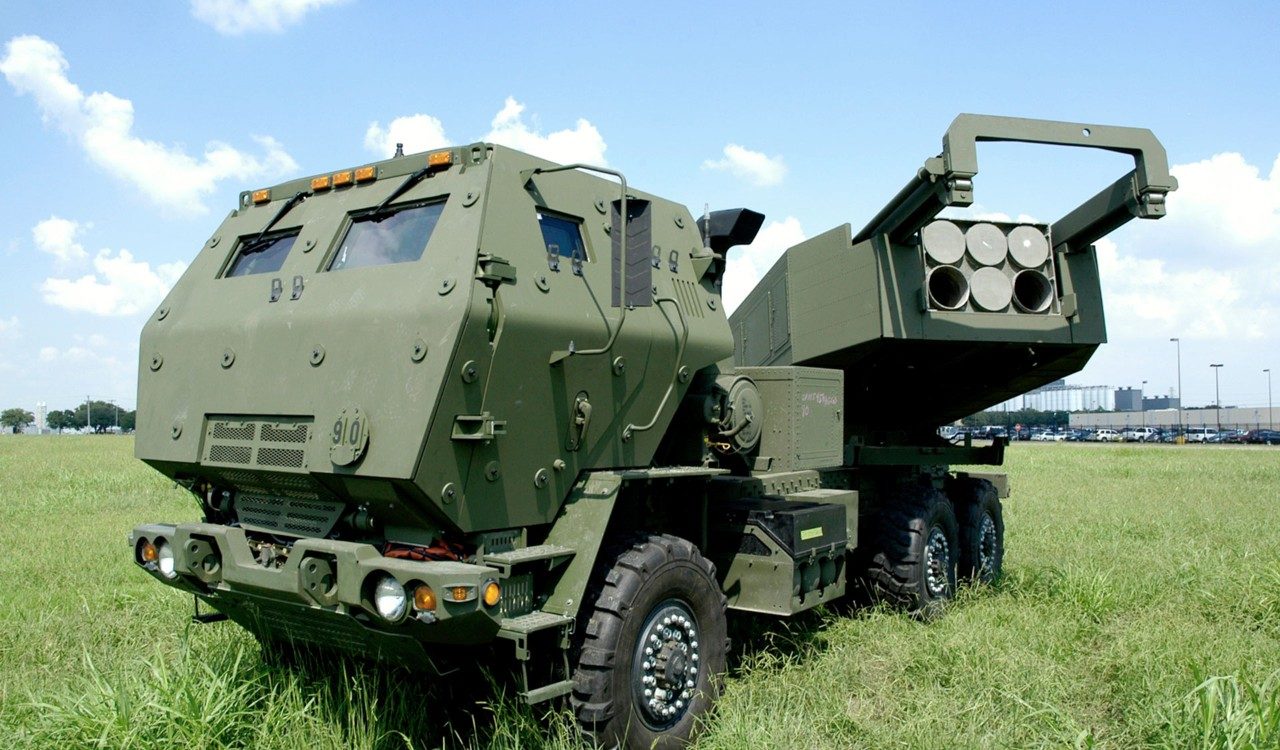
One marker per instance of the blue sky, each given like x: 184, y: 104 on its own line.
x: 128, y: 134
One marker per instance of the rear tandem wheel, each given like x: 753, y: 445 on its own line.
x: 911, y: 551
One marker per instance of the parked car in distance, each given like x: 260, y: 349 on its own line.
x: 1105, y: 435
x: 1200, y: 434
x: 1263, y: 437
x: 1140, y: 434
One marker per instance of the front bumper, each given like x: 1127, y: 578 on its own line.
x: 322, y: 594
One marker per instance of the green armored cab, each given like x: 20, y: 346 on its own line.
x: 472, y: 396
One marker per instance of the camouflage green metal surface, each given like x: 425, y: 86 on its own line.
x: 501, y: 407
x: 434, y: 354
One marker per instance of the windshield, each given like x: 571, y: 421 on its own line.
x: 261, y: 256
x: 382, y: 238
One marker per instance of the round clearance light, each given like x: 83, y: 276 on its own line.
x: 389, y: 598
x: 424, y: 598
x: 164, y: 558
x: 147, y: 551
x: 492, y: 593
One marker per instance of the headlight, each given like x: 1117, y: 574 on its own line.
x: 164, y: 558
x: 390, y: 599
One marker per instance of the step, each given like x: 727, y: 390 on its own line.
x: 531, y: 623
x: 507, y: 560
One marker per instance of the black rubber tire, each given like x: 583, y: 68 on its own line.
x: 976, y: 500
x: 894, y: 564
x: 652, y: 571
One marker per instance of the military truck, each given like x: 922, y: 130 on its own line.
x: 475, y: 397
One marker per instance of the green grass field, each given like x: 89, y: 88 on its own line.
x: 1140, y: 608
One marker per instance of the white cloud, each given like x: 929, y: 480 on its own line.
x: 752, y: 166
x: 421, y: 132
x: 9, y: 328
x: 48, y: 353
x: 102, y: 124
x: 582, y: 144
x: 1144, y: 296
x: 1203, y: 271
x: 120, y: 286
x: 57, y: 237
x: 748, y: 264
x: 417, y: 132
x: 1203, y: 274
x: 235, y: 17
x: 1225, y: 199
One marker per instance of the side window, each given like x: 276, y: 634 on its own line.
x: 562, y: 236
x: 261, y: 256
x: 383, y: 238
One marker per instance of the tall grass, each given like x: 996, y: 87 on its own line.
x: 1140, y: 608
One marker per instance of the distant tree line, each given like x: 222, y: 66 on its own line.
x: 1033, y: 417
x: 104, y: 415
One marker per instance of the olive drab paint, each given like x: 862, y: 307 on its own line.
x: 428, y: 400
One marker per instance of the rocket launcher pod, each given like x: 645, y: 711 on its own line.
x: 932, y: 319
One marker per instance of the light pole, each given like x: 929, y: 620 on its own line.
x: 1142, y: 405
x: 117, y: 406
x: 1178, y: 344
x: 88, y: 413
x: 1217, y: 399
x: 1270, y: 424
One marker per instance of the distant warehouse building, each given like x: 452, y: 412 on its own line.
x: 1156, y: 403
x: 1058, y: 396
x: 1128, y: 399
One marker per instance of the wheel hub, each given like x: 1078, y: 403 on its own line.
x: 665, y: 671
x: 987, y: 547
x: 937, y: 557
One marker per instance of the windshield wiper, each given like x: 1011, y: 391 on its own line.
x: 412, y: 180
x: 257, y: 243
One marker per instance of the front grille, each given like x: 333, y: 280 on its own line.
x: 228, y: 431
x: 274, y: 433
x: 285, y: 457
x: 275, y: 442
x: 230, y: 454
x: 293, y: 516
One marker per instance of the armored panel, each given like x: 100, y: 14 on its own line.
x: 803, y: 416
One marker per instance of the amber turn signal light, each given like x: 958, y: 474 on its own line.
x: 492, y: 593
x: 424, y: 598
x: 261, y: 196
x: 148, y: 552
x: 440, y: 159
